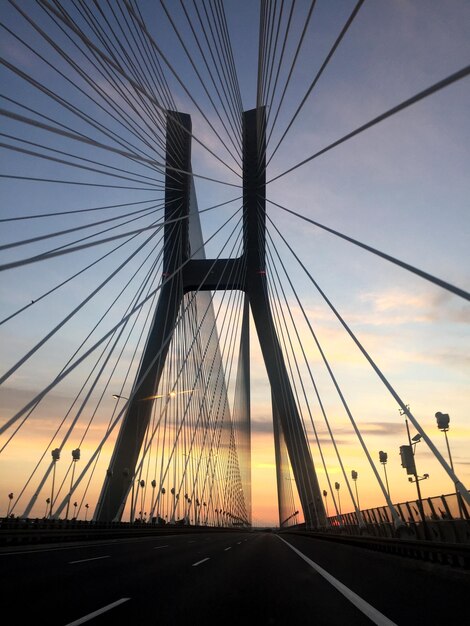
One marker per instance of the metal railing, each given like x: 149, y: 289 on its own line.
x: 18, y: 531
x: 444, y: 518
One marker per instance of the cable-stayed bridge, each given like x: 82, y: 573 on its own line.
x: 158, y: 314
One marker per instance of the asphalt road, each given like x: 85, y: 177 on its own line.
x: 231, y: 578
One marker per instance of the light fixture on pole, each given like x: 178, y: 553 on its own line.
x: 87, y: 506
x: 325, y: 495
x: 75, y: 458
x: 407, y: 453
x: 339, y: 504
x: 153, y: 500
x: 163, y: 507
x: 383, y: 457
x: 142, y: 494
x: 10, y: 498
x: 55, y: 457
x: 443, y: 421
x: 133, y: 500
x: 354, y: 476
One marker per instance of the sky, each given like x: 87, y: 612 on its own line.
x: 401, y: 186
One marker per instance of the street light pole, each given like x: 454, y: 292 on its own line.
x: 10, y: 499
x: 142, y: 493
x: 443, y: 420
x: 75, y: 458
x: 339, y: 504
x: 354, y: 477
x: 132, y: 514
x: 325, y: 495
x: 55, y: 457
x: 383, y: 456
x: 410, y: 465
x: 415, y: 473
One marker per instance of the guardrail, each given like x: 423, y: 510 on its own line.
x: 17, y: 531
x: 443, y: 553
x: 443, y: 518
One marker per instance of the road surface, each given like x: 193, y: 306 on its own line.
x: 249, y: 578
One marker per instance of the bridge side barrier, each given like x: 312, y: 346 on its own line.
x: 446, y: 519
x: 455, y: 555
x: 41, y: 531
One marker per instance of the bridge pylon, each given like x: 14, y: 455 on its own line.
x: 183, y: 274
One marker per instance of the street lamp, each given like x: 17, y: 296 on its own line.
x: 407, y: 453
x: 75, y: 458
x: 142, y: 493
x: 133, y: 499
x: 170, y: 394
x: 339, y: 504
x: 173, y: 505
x: 325, y: 495
x: 55, y: 457
x: 354, y: 475
x: 10, y: 498
x: 87, y: 506
x: 383, y: 456
x: 153, y: 499
x: 163, y: 507
x: 443, y: 420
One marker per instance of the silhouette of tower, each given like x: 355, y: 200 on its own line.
x: 183, y: 274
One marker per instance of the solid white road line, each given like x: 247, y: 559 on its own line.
x: 229, y: 548
x: 90, y: 616
x: 203, y: 561
x: 95, y: 558
x: 373, y: 614
x: 158, y: 547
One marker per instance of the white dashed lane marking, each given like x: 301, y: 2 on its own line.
x: 96, y: 558
x: 90, y: 616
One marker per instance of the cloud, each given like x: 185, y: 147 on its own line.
x: 344, y: 434
x: 396, y: 306
x: 445, y: 306
x: 382, y: 428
